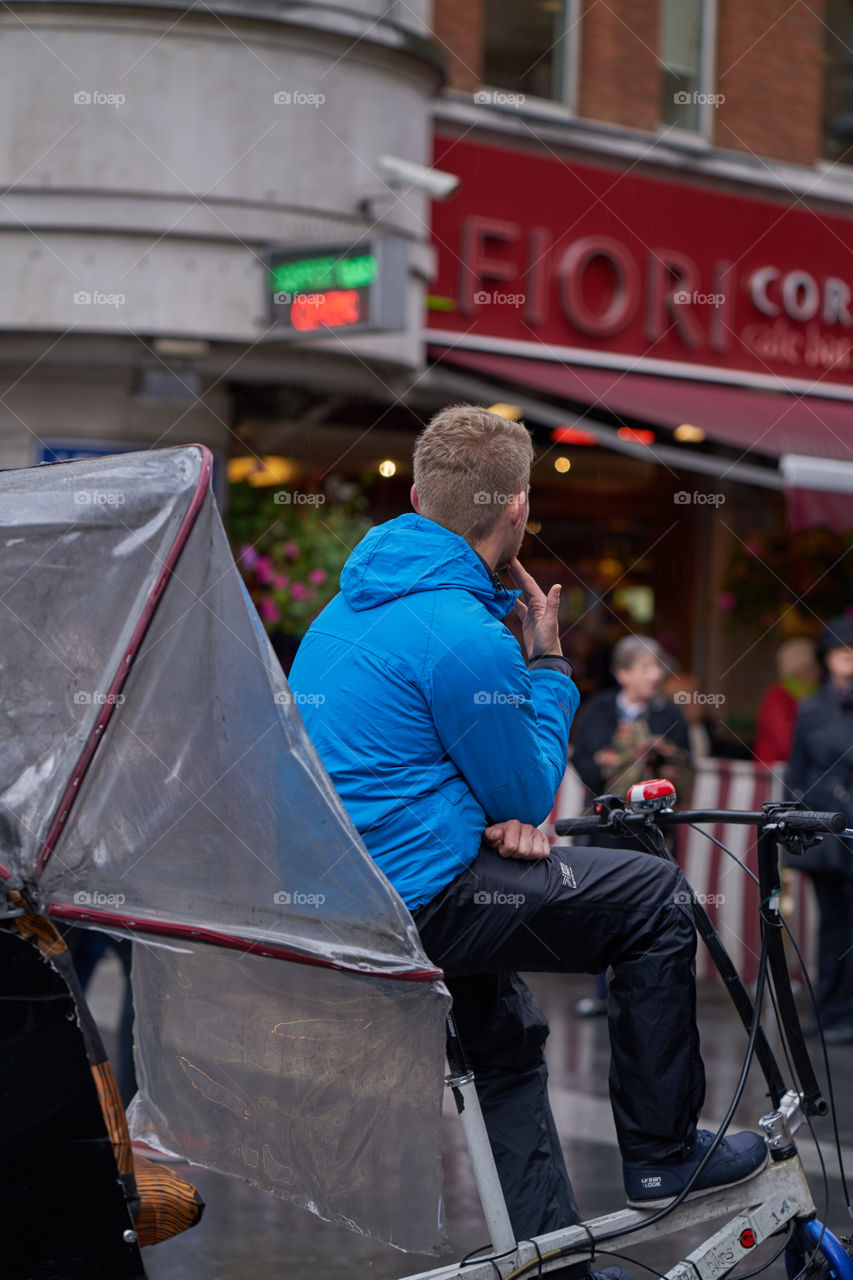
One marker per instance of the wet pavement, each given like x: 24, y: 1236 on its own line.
x: 246, y: 1233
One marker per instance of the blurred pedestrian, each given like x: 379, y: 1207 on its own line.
x: 821, y: 775
x: 799, y: 675
x: 625, y: 735
x: 633, y: 732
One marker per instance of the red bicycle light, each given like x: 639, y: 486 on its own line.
x: 657, y: 793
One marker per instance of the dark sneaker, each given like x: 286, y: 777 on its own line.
x: 650, y: 1185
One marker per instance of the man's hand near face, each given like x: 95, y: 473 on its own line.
x: 514, y: 839
x: 540, y: 624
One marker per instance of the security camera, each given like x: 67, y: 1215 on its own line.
x: 407, y: 174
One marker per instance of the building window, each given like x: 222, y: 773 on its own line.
x: 686, y: 58
x: 838, y: 81
x: 528, y: 48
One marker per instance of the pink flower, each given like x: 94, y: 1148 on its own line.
x: 317, y: 575
x: 269, y: 611
x: 248, y: 557
x: 298, y: 591
x: 280, y: 581
x: 290, y: 549
x: 727, y: 601
x: 263, y: 568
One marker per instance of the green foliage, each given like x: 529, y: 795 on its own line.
x: 290, y: 547
x: 772, y: 576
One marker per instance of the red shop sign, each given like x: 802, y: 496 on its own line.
x: 535, y: 250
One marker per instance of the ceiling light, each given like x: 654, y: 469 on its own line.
x: 573, y: 435
x: 689, y: 434
x: 511, y: 411
x: 260, y: 472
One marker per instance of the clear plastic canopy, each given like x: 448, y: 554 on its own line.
x: 156, y: 779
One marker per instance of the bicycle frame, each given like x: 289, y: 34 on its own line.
x: 761, y: 1207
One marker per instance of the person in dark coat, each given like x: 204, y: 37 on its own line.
x: 631, y: 733
x: 820, y: 774
x: 625, y: 735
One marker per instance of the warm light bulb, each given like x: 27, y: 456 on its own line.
x: 387, y: 468
x: 562, y: 464
x: 511, y: 411
x: 688, y: 433
x: 261, y: 472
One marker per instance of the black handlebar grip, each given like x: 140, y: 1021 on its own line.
x: 804, y: 820
x: 579, y: 826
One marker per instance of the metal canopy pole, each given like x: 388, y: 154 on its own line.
x: 461, y: 1082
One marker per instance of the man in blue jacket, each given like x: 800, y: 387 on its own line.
x: 447, y: 745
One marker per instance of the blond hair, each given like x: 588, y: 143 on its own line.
x: 467, y: 464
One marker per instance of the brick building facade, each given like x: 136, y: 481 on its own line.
x: 769, y: 58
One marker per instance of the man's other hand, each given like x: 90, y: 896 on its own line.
x: 540, y: 625
x: 516, y: 839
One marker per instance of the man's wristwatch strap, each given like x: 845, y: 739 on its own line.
x: 551, y: 662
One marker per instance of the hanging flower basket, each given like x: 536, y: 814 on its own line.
x: 290, y: 546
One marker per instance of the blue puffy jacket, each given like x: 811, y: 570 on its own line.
x: 422, y: 709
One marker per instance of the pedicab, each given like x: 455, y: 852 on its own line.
x: 156, y: 782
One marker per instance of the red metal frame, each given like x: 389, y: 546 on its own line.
x: 141, y: 924
x: 96, y: 737
x: 198, y: 933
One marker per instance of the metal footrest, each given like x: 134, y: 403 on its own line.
x: 760, y: 1207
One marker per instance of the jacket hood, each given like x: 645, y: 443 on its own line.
x: 412, y: 554
x: 837, y: 634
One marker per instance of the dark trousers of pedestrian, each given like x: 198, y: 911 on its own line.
x: 834, y: 991
x: 581, y: 910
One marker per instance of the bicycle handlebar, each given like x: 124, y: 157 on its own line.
x: 806, y: 820
x: 788, y: 819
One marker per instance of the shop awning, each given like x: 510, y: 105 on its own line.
x: 766, y: 422
x: 756, y: 421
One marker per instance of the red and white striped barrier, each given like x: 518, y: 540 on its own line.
x: 729, y: 896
